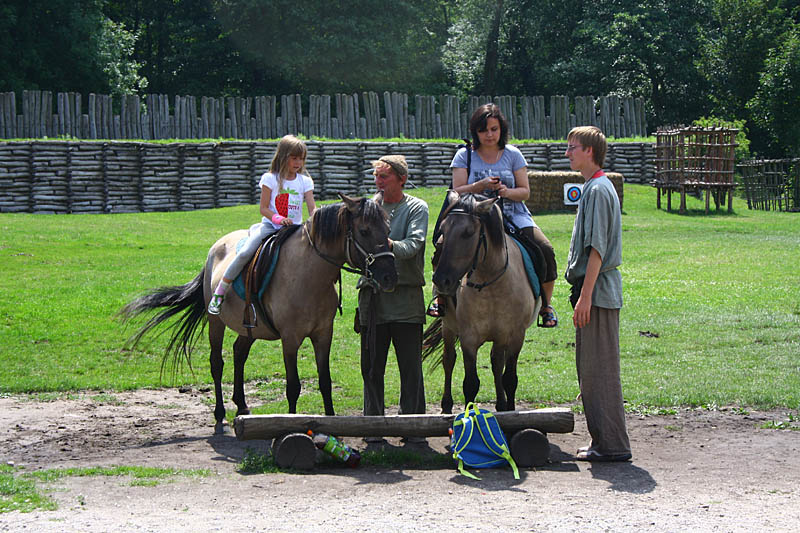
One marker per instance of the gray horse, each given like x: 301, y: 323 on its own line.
x: 300, y: 300
x: 489, y: 299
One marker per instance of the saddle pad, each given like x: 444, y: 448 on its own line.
x: 238, y: 283
x: 532, y: 277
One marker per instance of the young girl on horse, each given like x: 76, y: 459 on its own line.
x: 283, y: 190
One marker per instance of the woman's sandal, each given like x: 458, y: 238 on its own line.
x: 435, y: 310
x: 547, y: 316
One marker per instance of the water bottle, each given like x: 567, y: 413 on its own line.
x: 335, y: 448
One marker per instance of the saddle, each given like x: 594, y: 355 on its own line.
x: 256, y: 275
x: 535, y: 259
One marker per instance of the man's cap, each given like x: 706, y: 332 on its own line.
x: 397, y: 162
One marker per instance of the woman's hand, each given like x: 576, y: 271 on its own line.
x: 491, y: 183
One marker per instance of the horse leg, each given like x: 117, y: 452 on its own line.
x: 241, y: 350
x: 292, y: 378
x: 216, y: 332
x: 510, y: 379
x: 449, y: 356
x: 322, y: 355
x: 498, y: 358
x: 471, y: 381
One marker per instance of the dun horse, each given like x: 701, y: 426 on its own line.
x: 300, y: 300
x: 489, y: 299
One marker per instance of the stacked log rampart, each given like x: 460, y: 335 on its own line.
x: 122, y: 177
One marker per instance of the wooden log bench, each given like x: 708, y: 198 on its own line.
x: 293, y: 448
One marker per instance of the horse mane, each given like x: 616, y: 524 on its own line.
x: 493, y: 220
x: 329, y: 221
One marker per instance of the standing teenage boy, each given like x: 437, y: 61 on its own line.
x: 595, y: 252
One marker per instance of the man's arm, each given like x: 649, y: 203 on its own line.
x: 416, y: 233
x: 583, y: 308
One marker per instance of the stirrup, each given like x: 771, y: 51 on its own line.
x: 215, y: 304
x: 254, y: 322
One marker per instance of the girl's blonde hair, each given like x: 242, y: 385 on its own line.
x: 288, y: 146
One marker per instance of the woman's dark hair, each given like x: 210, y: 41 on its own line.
x: 478, y: 123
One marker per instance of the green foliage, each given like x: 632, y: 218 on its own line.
x: 742, y: 149
x: 51, y: 44
x: 116, y: 49
x: 734, y: 48
x: 776, y: 104
x: 255, y: 462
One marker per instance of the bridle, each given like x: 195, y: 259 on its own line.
x: 481, y: 243
x: 367, y: 257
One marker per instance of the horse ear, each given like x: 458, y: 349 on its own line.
x: 378, y: 198
x: 452, y: 197
x: 485, y: 206
x: 350, y: 203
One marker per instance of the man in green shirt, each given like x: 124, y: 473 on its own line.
x: 399, y: 315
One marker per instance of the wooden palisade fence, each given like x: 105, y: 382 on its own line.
x: 127, y: 176
x: 341, y: 116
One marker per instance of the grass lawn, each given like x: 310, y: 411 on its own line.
x: 711, y: 315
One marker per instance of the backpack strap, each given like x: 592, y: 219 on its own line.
x: 464, y: 438
x: 498, y: 448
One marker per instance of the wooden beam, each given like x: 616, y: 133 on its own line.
x: 249, y: 427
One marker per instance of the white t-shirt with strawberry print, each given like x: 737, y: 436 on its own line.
x: 288, y: 201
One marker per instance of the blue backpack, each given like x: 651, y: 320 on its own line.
x: 478, y: 441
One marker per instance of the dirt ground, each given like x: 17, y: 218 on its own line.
x: 697, y: 470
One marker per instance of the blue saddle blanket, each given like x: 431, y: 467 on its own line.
x: 526, y: 259
x: 238, y: 283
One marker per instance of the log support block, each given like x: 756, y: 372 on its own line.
x: 530, y: 447
x: 295, y: 450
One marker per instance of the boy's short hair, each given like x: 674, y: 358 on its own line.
x: 591, y: 136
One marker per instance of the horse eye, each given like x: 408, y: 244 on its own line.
x: 364, y: 232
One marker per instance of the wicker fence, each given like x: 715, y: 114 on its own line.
x: 341, y: 116
x: 772, y: 184
x: 117, y: 177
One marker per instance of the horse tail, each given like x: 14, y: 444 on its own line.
x: 433, y: 344
x: 187, y: 299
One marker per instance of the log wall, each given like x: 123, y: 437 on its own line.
x: 122, y: 177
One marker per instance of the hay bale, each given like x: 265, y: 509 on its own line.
x: 547, y: 189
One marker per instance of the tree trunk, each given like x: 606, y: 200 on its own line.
x: 490, y: 64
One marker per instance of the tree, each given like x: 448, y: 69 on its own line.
x: 734, y: 48
x: 647, y: 49
x: 51, y: 45
x: 116, y: 47
x: 340, y: 45
x: 776, y: 104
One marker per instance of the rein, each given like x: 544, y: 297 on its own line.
x: 369, y: 258
x: 481, y: 242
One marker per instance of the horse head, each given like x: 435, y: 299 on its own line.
x: 469, y: 229
x: 367, y: 247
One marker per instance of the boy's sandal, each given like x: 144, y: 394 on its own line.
x: 597, y: 457
x: 547, y: 316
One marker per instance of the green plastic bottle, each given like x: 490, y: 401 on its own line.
x: 335, y: 448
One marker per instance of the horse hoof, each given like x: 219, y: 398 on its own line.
x: 222, y: 428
